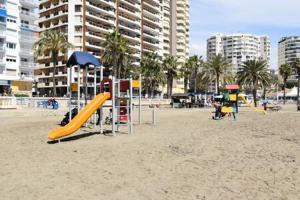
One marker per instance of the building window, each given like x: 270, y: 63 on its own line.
x: 24, y: 59
x: 77, y: 8
x: 11, y: 45
x: 10, y: 60
x: 11, y: 20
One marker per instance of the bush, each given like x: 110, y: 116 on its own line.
x: 21, y: 95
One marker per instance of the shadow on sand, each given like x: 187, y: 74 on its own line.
x: 77, y: 137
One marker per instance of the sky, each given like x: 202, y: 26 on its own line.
x: 274, y: 18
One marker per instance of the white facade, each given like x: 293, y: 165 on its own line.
x: 238, y: 48
x: 18, y: 32
x: 87, y: 23
x: 288, y: 51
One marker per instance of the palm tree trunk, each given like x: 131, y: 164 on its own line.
x: 171, y: 87
x: 254, y: 97
x: 168, y: 89
x: 195, y: 84
x: 218, y: 87
x: 54, y: 60
x: 254, y: 93
x: 298, y: 91
x: 284, y: 85
x: 185, y: 84
x: 115, y: 69
x: 152, y: 89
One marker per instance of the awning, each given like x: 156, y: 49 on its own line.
x: 180, y: 96
x: 83, y: 59
x: 232, y: 87
x: 3, y: 13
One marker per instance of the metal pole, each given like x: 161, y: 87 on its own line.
x: 140, y: 100
x: 86, y: 85
x: 277, y: 93
x: 95, y: 92
x: 78, y: 88
x: 70, y: 92
x: 118, y: 104
x: 101, y: 109
x: 130, y: 106
x: 153, y: 115
x: 113, y: 105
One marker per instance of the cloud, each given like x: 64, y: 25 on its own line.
x: 198, y: 49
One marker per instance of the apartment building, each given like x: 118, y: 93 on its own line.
x: 288, y: 51
x: 238, y: 48
x: 87, y: 22
x: 180, y: 36
x: 18, y: 32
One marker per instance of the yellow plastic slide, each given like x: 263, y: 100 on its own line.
x: 251, y: 105
x: 80, y: 118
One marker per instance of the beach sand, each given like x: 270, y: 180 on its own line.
x: 186, y: 155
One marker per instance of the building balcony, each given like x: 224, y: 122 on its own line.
x: 96, y: 8
x: 125, y: 27
x: 151, y: 36
x: 61, y: 23
x: 27, y: 65
x: 2, y: 48
x: 58, y: 15
x: 30, y: 15
x: 95, y: 35
x: 30, y: 3
x: 151, y: 30
x: 98, y: 27
x: 2, y: 30
x: 29, y: 27
x: 151, y: 15
x: 94, y: 45
x: 135, y: 22
x: 99, y: 17
x: 131, y: 4
x: 151, y: 45
x: 26, y: 52
x: 132, y: 38
x: 130, y: 12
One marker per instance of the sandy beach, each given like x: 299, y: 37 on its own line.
x: 186, y: 155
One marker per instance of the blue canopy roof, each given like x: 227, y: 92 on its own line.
x: 83, y: 59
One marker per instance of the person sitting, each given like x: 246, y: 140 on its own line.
x: 218, y: 110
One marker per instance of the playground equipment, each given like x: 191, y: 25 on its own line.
x: 251, y: 105
x: 119, y: 91
x: 232, y: 94
x: 231, y: 98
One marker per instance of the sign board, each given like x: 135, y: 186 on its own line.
x: 74, y: 87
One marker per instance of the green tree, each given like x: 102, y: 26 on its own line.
x: 218, y: 69
x: 254, y: 74
x: 285, y: 71
x: 152, y: 72
x: 186, y: 72
x: 170, y: 67
x: 52, y: 43
x: 296, y: 66
x: 116, y: 51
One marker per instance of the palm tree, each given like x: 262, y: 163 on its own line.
x: 116, y: 49
x: 219, y: 68
x: 52, y: 43
x: 255, y: 74
x: 285, y: 71
x: 185, y: 73
x: 170, y: 67
x: 296, y: 66
x: 152, y: 72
